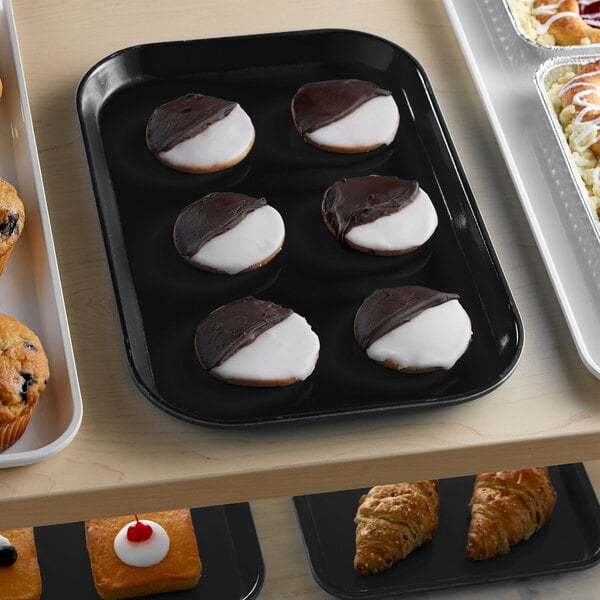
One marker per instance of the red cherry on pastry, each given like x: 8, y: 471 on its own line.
x: 138, y: 532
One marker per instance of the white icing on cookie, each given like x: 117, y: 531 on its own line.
x: 287, y: 350
x: 224, y: 142
x: 373, y: 123
x: 435, y: 338
x: 250, y: 242
x: 146, y: 553
x: 408, y: 228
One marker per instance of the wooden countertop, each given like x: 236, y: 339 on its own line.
x: 128, y: 454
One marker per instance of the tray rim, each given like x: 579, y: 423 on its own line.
x: 87, y: 136
x: 302, y: 505
x: 26, y: 457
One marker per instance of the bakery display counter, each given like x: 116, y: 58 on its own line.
x: 303, y: 548
x: 128, y: 454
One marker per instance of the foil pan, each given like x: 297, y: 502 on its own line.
x: 539, y: 46
x: 548, y: 74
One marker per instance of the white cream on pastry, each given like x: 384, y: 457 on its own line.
x: 146, y: 553
x: 4, y: 542
x: 408, y: 228
x: 435, y: 338
x: 257, y: 237
x: 224, y: 142
x: 549, y: 9
x: 287, y: 350
x: 373, y: 123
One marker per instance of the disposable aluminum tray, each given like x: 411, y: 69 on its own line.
x: 549, y: 72
x: 161, y: 298
x: 503, y: 66
x: 30, y: 284
x: 570, y: 541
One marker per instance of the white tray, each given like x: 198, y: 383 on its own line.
x: 503, y: 66
x: 30, y: 286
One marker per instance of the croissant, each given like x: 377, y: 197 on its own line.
x: 507, y: 507
x: 391, y: 521
x: 565, y: 21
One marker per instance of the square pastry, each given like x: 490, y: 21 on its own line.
x: 21, y: 579
x: 143, y: 561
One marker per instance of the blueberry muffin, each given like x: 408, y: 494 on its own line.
x: 24, y: 373
x: 12, y: 220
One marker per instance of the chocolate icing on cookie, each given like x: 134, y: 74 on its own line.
x: 388, y: 308
x: 359, y: 200
x: 183, y: 118
x: 209, y: 217
x: 320, y: 103
x: 235, y: 325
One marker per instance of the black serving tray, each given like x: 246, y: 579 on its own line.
x: 569, y: 541
x: 161, y: 298
x: 232, y: 564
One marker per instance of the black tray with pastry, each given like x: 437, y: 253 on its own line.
x: 232, y: 564
x: 161, y: 299
x: 568, y: 541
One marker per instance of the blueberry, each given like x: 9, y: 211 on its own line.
x: 11, y: 226
x: 8, y: 555
x: 30, y: 346
x: 28, y: 379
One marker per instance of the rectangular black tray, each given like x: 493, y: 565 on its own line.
x: 232, y: 564
x: 161, y: 298
x: 569, y: 541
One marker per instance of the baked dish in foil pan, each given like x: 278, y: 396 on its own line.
x: 556, y: 24
x: 570, y: 90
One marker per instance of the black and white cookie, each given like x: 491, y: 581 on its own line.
x: 413, y: 328
x: 379, y: 215
x: 256, y: 343
x: 200, y: 134
x: 345, y: 115
x: 228, y: 232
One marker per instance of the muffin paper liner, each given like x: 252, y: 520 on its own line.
x: 11, y: 432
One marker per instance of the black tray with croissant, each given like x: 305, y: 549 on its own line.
x: 161, y: 298
x: 570, y: 540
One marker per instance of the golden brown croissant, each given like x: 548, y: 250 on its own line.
x: 507, y: 507
x: 564, y: 20
x: 392, y: 520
